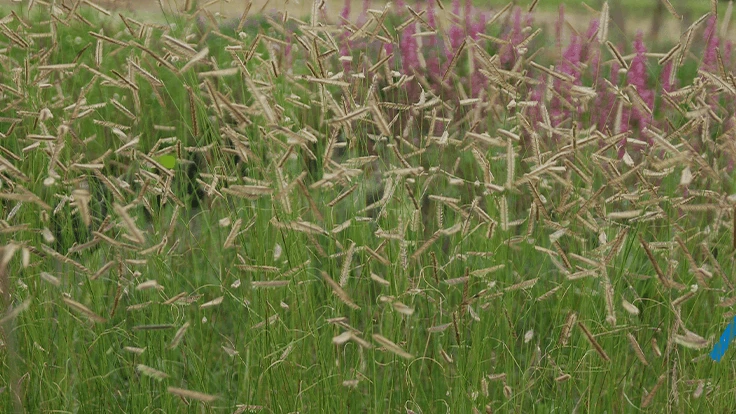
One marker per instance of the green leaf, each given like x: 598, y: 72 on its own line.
x: 168, y: 161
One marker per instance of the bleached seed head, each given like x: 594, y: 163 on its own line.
x: 342, y: 338
x: 629, y: 307
x: 149, y: 284
x: 507, y: 392
x: 47, y: 235
x: 45, y: 115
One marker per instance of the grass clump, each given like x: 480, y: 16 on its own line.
x: 418, y: 211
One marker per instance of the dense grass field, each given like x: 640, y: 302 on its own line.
x: 392, y: 214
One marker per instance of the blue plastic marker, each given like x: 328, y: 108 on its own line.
x: 720, y: 348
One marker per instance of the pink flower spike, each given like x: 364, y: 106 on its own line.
x: 571, y: 58
x: 514, y: 36
x: 408, y: 49
x: 432, y: 21
x: 666, y: 72
x: 456, y: 33
x: 712, y: 41
x: 637, y: 77
x: 345, y: 13
x: 479, y: 27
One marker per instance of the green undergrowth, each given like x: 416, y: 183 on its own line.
x: 482, y: 306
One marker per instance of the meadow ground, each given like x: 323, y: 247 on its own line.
x: 441, y: 209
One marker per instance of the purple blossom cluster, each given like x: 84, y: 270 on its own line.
x: 626, y: 92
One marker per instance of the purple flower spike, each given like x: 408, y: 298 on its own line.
x: 456, y: 33
x: 712, y: 41
x: 606, y: 100
x: 345, y: 13
x: 637, y: 76
x: 408, y: 49
x: 667, y: 86
x: 571, y: 58
x: 514, y: 37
